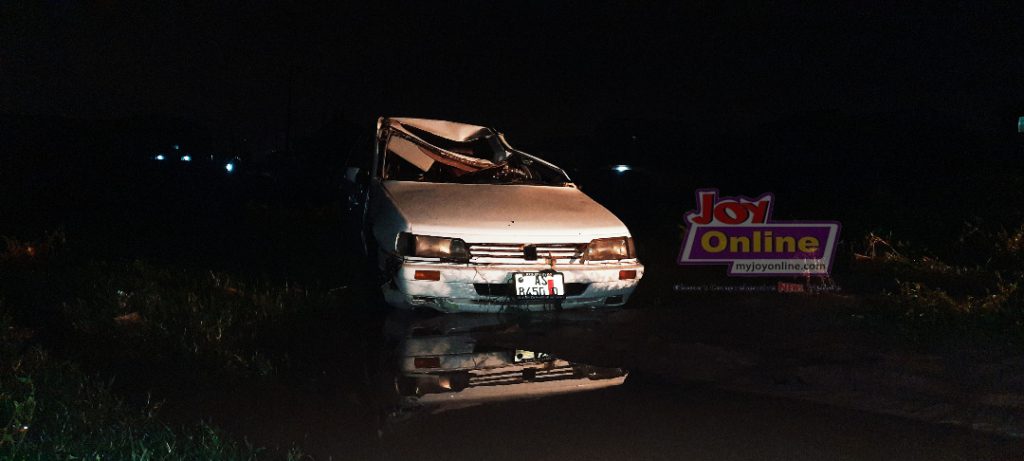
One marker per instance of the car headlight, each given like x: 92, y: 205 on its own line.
x: 426, y: 246
x: 610, y: 248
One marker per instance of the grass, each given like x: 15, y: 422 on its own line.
x: 211, y: 319
x: 974, y: 300
x: 61, y: 314
x: 53, y: 410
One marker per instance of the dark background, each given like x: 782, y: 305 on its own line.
x: 895, y: 119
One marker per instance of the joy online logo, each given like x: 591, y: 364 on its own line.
x: 738, y: 231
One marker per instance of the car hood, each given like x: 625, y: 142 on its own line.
x: 489, y: 213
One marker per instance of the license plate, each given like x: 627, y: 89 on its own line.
x: 528, y: 356
x: 539, y: 284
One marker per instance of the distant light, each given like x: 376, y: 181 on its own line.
x: 229, y: 167
x: 186, y: 158
x: 1020, y: 124
x: 177, y: 147
x: 621, y: 168
x: 159, y: 157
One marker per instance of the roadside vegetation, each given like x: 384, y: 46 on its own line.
x: 972, y: 297
x: 52, y: 410
x: 70, y: 325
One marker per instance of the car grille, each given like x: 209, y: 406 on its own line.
x: 500, y: 378
x: 526, y: 253
x: 509, y: 289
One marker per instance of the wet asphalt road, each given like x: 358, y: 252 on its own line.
x: 648, y: 420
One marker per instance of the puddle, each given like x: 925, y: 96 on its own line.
x: 448, y: 362
x: 368, y: 387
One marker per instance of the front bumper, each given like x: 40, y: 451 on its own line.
x: 466, y: 287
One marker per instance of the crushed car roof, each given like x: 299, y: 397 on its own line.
x: 412, y: 147
x: 454, y: 131
x: 440, y: 151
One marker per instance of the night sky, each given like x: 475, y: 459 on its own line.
x: 531, y: 69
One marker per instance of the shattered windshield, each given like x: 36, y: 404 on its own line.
x: 481, y: 160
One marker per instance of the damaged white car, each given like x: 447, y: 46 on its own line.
x: 459, y: 221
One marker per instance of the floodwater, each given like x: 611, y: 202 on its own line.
x: 481, y: 387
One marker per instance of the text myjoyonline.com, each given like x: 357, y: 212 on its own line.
x: 752, y: 267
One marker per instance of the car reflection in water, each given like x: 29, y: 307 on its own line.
x: 446, y: 362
